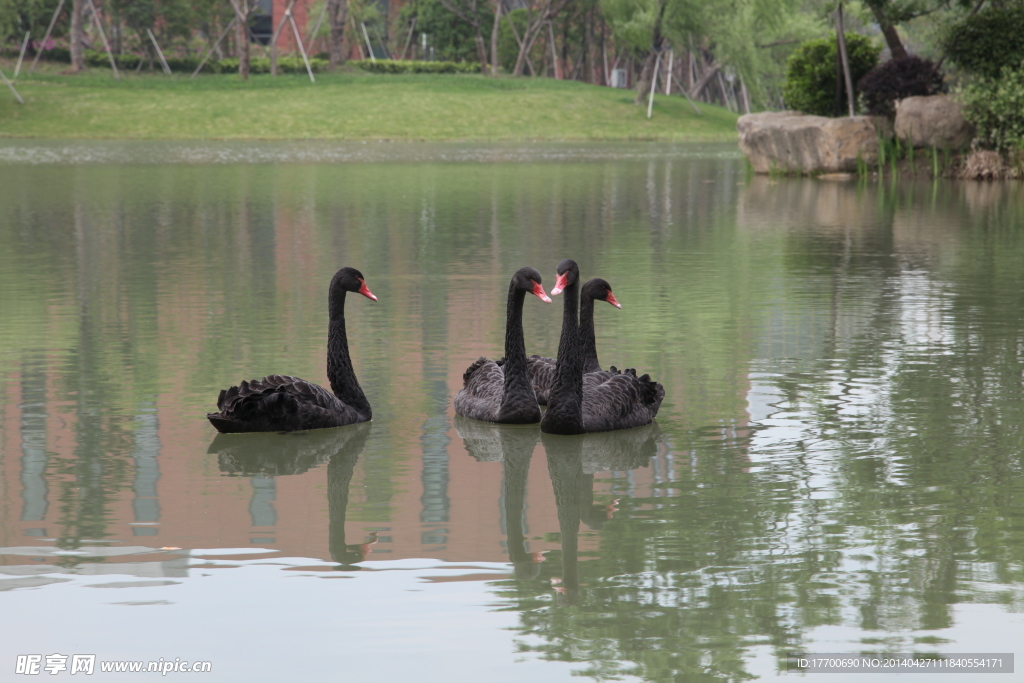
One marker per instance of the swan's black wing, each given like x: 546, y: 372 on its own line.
x: 280, y: 403
x: 542, y: 376
x: 620, y: 400
x: 483, y: 384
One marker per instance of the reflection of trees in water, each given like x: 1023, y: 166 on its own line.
x: 911, y: 409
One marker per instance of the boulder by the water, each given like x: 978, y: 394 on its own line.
x: 792, y: 142
x: 933, y: 121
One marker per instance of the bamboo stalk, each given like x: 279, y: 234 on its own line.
x: 49, y: 29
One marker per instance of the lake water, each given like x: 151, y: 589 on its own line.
x: 837, y: 466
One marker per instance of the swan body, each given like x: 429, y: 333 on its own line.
x: 282, y: 403
x: 609, y: 401
x: 495, y: 392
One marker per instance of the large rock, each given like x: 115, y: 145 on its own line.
x: 795, y: 143
x: 934, y: 121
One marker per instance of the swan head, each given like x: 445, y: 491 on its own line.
x: 350, y: 280
x: 600, y: 290
x: 528, y: 280
x: 566, y: 273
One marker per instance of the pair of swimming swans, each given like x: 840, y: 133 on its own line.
x: 580, y: 397
x: 495, y: 391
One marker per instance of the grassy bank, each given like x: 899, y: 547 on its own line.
x: 343, y: 106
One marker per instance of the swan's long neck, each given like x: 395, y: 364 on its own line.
x: 339, y: 364
x: 587, y: 341
x: 517, y: 377
x: 565, y: 401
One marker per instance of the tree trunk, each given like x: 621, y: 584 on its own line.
x: 242, y: 40
x: 657, y: 42
x: 643, y: 84
x: 77, y: 36
x: 892, y: 37
x: 481, y: 49
x: 494, y: 37
x: 337, y: 13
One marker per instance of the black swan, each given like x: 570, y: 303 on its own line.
x: 617, y: 400
x: 494, y: 393
x: 279, y: 403
x: 542, y: 369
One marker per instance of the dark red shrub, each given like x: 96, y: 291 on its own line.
x: 896, y: 79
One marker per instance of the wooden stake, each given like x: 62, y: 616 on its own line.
x: 841, y: 38
x: 159, y: 53
x: 408, y: 41
x: 311, y: 36
x: 49, y: 28
x: 668, y: 80
x: 302, y: 50
x: 654, y: 82
x: 11, y: 86
x: 103, y: 35
x: 213, y: 47
x: 21, y: 55
x: 369, y: 48
x: 277, y: 34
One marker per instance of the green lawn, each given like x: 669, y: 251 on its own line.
x: 343, y: 106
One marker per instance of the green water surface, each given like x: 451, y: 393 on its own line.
x: 837, y: 465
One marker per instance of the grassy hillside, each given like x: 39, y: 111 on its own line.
x: 344, y: 106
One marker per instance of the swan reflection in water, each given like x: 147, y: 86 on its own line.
x: 572, y: 463
x: 274, y: 455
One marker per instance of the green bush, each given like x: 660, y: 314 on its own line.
x: 57, y: 54
x: 995, y: 105
x: 261, y: 65
x: 811, y: 71
x: 986, y: 42
x: 409, y: 66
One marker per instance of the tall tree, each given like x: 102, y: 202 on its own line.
x: 469, y: 11
x: 538, y: 14
x: 242, y: 10
x: 337, y: 15
x: 77, y: 36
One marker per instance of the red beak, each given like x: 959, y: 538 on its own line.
x: 560, y: 284
x: 613, y: 301
x: 538, y: 291
x: 365, y: 291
